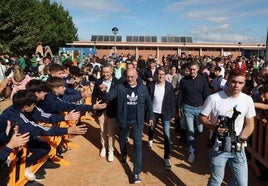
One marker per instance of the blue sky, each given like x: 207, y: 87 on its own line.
x: 224, y: 21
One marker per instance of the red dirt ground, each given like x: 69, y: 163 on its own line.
x: 89, y: 169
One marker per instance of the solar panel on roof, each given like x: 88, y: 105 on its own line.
x: 177, y: 39
x: 106, y: 38
x: 93, y: 38
x: 112, y: 38
x: 100, y: 38
x: 164, y: 39
x: 183, y: 39
x: 119, y: 38
x: 129, y: 39
x: 147, y: 39
x: 170, y: 39
x: 135, y: 38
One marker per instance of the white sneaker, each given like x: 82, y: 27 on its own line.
x: 29, y: 175
x: 110, y: 156
x: 167, y: 164
x: 191, y: 158
x: 150, y: 143
x: 103, y: 152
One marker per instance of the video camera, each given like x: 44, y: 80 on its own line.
x: 230, y: 142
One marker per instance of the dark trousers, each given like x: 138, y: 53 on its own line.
x: 137, y: 137
x: 4, y: 173
x: 38, y: 149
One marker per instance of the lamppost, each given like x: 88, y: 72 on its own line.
x: 115, y: 31
x: 239, y: 44
x: 94, y: 44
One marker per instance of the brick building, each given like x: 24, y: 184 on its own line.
x: 148, y: 45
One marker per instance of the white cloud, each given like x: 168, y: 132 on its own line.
x: 211, y: 4
x: 219, y: 11
x: 211, y: 20
x: 222, y: 34
x: 129, y: 17
x: 104, y: 6
x: 217, y: 19
x: 207, y: 16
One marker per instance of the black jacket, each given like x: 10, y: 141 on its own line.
x: 97, y: 94
x: 169, y: 103
x: 144, y: 103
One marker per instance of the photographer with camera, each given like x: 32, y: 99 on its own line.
x: 229, y: 115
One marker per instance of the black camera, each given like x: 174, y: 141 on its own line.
x: 230, y: 142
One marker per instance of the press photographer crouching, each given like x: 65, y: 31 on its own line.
x: 229, y: 115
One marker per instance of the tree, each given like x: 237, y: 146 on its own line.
x: 24, y: 23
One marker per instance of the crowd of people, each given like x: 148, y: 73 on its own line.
x: 130, y: 92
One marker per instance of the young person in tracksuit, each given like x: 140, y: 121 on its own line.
x: 9, y: 140
x: 55, y: 104
x: 24, y: 102
x: 164, y: 107
x: 40, y: 90
x: 70, y: 94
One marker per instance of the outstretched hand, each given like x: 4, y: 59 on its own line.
x: 73, y: 115
x: 99, y: 106
x: 86, y: 93
x: 17, y: 139
x: 103, y: 87
x: 76, y: 130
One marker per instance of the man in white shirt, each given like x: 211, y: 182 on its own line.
x: 106, y: 118
x: 227, y: 142
x: 164, y: 107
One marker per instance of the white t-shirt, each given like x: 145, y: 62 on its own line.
x: 220, y: 104
x: 108, y: 83
x: 159, y: 93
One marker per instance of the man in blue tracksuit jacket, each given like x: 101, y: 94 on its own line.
x: 23, y: 104
x: 55, y: 104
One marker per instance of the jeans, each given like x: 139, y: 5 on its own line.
x: 166, y: 130
x: 191, y: 118
x: 137, y: 137
x: 237, y: 162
